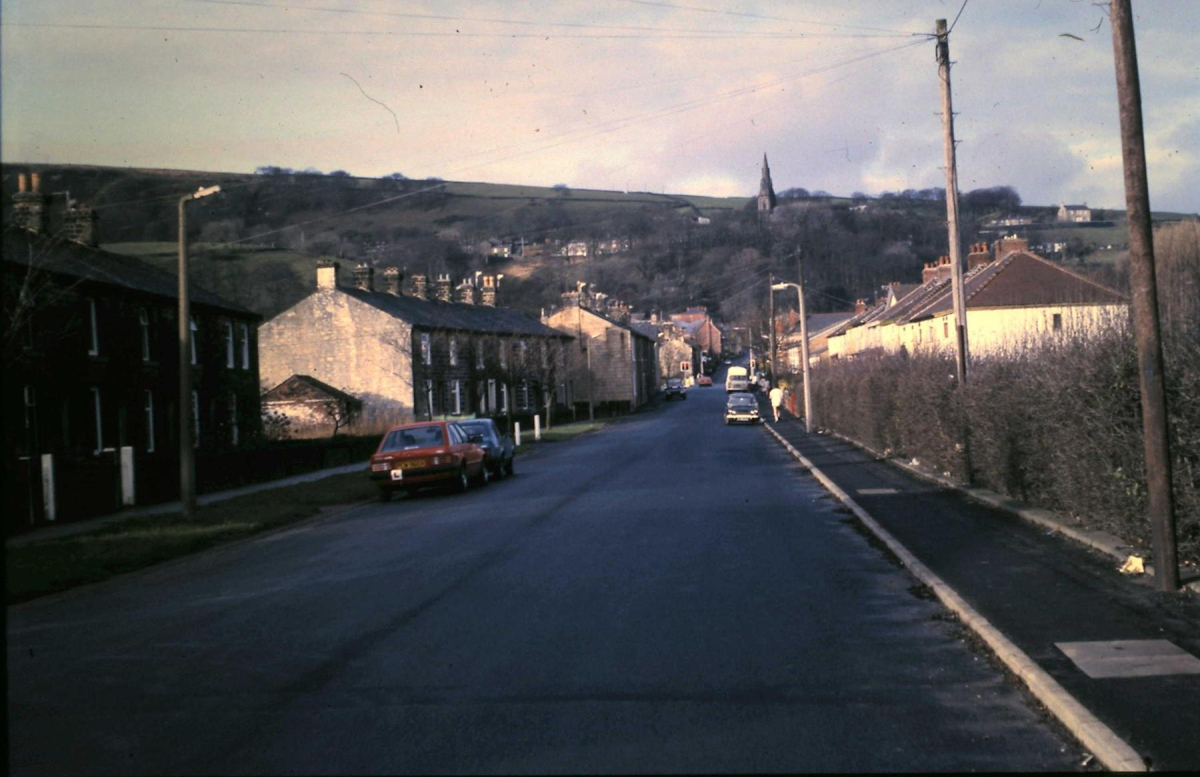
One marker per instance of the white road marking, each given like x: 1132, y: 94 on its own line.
x: 877, y: 491
x: 1130, y: 658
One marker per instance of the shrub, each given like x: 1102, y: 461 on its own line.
x: 1056, y: 424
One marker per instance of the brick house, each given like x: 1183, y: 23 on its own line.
x: 406, y: 356
x: 610, y: 362
x: 700, y: 330
x: 91, y: 370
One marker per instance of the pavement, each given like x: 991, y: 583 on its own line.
x: 69, y: 529
x: 1115, y: 660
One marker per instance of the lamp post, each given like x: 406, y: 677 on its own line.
x: 187, y: 454
x: 799, y: 287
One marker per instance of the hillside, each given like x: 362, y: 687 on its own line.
x: 257, y: 243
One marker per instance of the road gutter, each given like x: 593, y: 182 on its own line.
x: 1110, y: 749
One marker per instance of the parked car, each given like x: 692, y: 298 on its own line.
x: 433, y: 453
x: 497, y: 447
x: 703, y: 380
x: 741, y: 408
x: 674, y: 389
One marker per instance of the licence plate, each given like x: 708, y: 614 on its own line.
x: 413, y: 464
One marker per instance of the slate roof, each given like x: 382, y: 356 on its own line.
x: 95, y: 265
x: 434, y: 314
x: 1020, y: 279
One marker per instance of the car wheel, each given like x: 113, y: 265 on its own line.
x: 385, y: 495
x: 463, y: 482
x: 485, y: 476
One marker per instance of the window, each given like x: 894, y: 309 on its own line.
x: 503, y: 397
x: 946, y: 328
x: 192, y: 337
x: 1056, y: 322
x: 426, y: 351
x: 230, y: 361
x: 524, y: 396
x: 503, y: 356
x: 479, y: 355
x: 245, y: 347
x: 195, y: 419
x: 491, y: 393
x: 148, y: 408
x: 233, y: 417
x: 93, y: 333
x: 481, y: 392
x: 453, y: 352
x: 99, y: 418
x: 456, y: 397
x: 144, y: 323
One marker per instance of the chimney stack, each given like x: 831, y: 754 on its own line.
x: 442, y: 288
x: 466, y: 292
x: 364, y: 277
x: 860, y: 306
x: 420, y: 287
x: 29, y: 205
x: 391, y: 280
x: 487, y: 295
x: 1006, y: 245
x: 79, y: 225
x: 978, y: 257
x: 327, y: 274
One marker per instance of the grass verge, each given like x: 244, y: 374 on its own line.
x: 561, y: 433
x: 40, y: 568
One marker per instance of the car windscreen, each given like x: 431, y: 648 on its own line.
x: 740, y: 402
x: 479, y: 427
x: 414, y: 437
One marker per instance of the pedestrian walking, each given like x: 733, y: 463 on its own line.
x: 776, y: 401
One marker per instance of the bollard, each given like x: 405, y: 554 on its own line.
x: 127, y: 493
x: 48, y: 500
x: 517, y: 434
x: 537, y: 428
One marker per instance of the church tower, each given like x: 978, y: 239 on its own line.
x: 766, y: 192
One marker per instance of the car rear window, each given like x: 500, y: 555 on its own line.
x: 415, y: 437
x: 483, y: 428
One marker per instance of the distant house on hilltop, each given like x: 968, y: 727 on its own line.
x: 1075, y: 214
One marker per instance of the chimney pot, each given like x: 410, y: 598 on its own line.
x: 35, y: 182
x: 442, y: 288
x: 466, y: 292
x: 22, y: 183
x: 487, y: 295
x: 421, y: 287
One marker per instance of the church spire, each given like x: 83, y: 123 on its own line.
x: 766, y: 192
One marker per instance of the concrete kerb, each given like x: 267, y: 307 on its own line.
x: 1111, y: 750
x: 1104, y: 542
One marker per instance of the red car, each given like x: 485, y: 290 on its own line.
x: 703, y: 380
x: 427, y: 454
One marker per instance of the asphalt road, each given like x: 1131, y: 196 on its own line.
x: 666, y: 595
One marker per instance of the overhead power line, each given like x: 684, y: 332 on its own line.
x: 494, y: 20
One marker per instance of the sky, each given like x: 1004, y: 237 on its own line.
x: 640, y: 95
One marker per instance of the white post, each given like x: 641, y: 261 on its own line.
x: 517, y: 434
x: 127, y: 493
x: 537, y: 428
x: 48, y: 500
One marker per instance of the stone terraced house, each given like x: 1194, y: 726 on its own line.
x: 405, y: 356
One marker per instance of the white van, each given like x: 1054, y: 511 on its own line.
x: 737, y: 379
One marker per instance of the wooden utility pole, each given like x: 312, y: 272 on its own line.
x: 1145, y: 300
x: 771, y: 308
x: 960, y: 305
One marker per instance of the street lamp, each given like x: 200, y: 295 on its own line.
x: 808, y: 423
x: 187, y: 455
